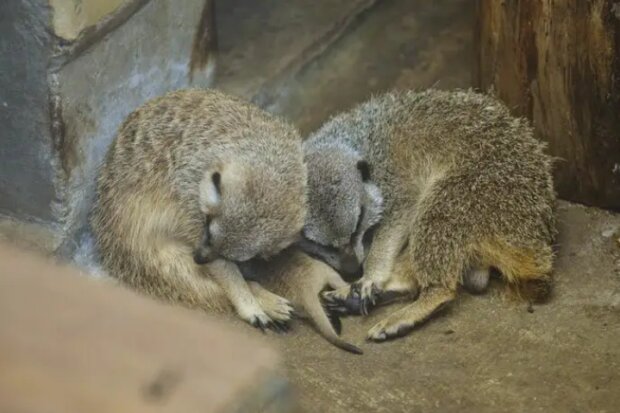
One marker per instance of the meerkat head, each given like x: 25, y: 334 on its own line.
x: 251, y: 208
x: 343, y: 206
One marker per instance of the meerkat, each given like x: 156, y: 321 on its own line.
x: 195, y: 182
x: 300, y: 278
x: 451, y: 186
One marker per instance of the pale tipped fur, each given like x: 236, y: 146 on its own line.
x: 465, y: 187
x: 300, y: 279
x: 199, y: 174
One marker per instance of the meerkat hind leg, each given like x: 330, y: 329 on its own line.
x: 404, y: 320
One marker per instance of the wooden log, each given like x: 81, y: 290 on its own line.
x: 69, y: 343
x: 558, y: 63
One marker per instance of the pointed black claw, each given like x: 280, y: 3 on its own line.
x: 358, y: 304
x: 335, y: 308
x: 272, y: 326
x: 354, y: 302
x: 256, y: 322
x: 279, y: 327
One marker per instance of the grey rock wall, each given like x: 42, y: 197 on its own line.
x: 143, y: 58
x: 62, y: 102
x: 26, y: 147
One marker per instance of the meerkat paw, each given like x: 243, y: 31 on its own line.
x: 390, y: 327
x: 404, y: 320
x: 358, y: 298
x: 338, y: 302
x: 258, y: 318
x: 254, y: 316
x: 366, y: 293
x: 279, y: 309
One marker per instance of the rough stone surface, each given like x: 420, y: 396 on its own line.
x: 26, y: 171
x: 145, y: 57
x: 259, y: 40
x: 400, y: 44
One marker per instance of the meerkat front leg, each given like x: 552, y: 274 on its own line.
x: 248, y: 307
x: 404, y: 320
x: 360, y: 296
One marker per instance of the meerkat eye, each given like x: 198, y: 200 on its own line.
x: 216, y: 178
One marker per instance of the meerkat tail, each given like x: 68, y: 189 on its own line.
x: 313, y: 307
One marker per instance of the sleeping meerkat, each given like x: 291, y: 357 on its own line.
x: 452, y: 186
x: 194, y: 183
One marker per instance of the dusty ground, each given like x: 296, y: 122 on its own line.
x: 487, y: 353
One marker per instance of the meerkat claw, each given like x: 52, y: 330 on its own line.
x: 279, y: 327
x: 364, y: 295
x: 347, y: 305
x: 258, y: 323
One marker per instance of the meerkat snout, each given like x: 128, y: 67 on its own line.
x: 344, y: 207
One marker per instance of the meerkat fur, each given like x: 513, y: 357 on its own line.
x: 454, y: 186
x: 300, y: 279
x: 194, y: 183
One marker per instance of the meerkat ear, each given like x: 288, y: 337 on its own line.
x: 210, y: 189
x: 216, y: 178
x: 364, y: 169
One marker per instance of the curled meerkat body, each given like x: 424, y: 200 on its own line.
x: 452, y: 186
x: 300, y: 278
x: 192, y: 184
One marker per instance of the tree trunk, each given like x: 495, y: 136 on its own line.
x: 557, y: 62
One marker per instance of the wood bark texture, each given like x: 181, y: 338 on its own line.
x: 557, y: 62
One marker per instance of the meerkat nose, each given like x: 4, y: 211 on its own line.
x: 204, y: 255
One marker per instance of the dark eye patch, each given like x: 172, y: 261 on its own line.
x: 404, y: 247
x: 358, y: 226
